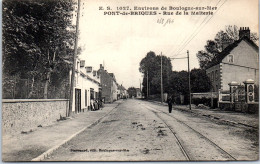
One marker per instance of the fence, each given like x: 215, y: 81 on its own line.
x: 239, y: 98
x: 238, y: 94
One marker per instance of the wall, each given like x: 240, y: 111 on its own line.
x: 240, y: 107
x: 214, y: 74
x: 25, y: 114
x: 114, y: 90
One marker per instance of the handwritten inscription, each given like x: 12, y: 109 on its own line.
x: 164, y: 22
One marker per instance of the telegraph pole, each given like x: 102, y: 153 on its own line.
x: 161, y: 81
x: 74, y: 61
x: 147, y: 86
x: 189, y: 77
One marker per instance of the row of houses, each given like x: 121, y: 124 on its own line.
x: 94, y: 85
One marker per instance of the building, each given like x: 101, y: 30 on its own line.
x: 87, y: 86
x: 237, y: 62
x: 109, y: 85
x: 123, y: 92
x: 114, y: 89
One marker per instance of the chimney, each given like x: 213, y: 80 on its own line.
x: 244, y: 32
x: 82, y: 63
x: 101, y: 67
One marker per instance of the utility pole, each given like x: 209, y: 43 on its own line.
x: 161, y: 81
x: 74, y: 61
x: 147, y: 86
x: 189, y: 77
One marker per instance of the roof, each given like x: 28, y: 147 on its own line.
x: 121, y: 87
x: 218, y: 59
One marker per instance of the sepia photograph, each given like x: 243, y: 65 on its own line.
x: 130, y: 80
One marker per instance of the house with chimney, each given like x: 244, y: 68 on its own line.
x: 109, y: 85
x: 86, y: 86
x: 238, y: 62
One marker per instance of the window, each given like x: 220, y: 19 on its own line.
x: 231, y: 58
x: 89, y: 69
x: 216, y: 74
x: 91, y: 93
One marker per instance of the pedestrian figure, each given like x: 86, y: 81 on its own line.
x: 96, y: 104
x: 92, y: 107
x: 100, y: 104
x: 170, y: 101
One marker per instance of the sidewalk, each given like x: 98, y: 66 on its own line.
x: 25, y: 147
x: 249, y: 120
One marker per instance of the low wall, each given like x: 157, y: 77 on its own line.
x: 240, y: 107
x: 205, y: 94
x: 23, y: 115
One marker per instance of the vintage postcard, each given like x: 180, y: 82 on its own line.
x: 130, y: 80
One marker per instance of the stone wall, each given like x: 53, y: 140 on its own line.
x: 23, y: 115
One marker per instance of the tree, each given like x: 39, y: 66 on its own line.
x: 151, y: 66
x: 220, y: 42
x: 179, y: 82
x: 37, y: 39
x: 200, y: 82
x: 132, y: 92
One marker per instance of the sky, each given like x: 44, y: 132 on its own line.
x: 120, y: 42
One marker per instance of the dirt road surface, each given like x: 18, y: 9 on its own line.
x: 142, y: 131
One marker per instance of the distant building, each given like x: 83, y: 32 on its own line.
x: 109, y: 86
x: 123, y: 92
x: 115, y: 91
x: 237, y: 62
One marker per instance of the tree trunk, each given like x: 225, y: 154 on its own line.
x: 49, y: 74
x: 46, y: 85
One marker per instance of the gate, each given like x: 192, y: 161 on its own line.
x: 239, y: 97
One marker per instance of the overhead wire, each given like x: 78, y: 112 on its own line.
x: 198, y: 30
x: 183, y: 29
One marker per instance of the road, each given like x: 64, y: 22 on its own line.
x: 143, y: 131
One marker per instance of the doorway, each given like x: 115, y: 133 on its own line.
x: 77, y: 100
